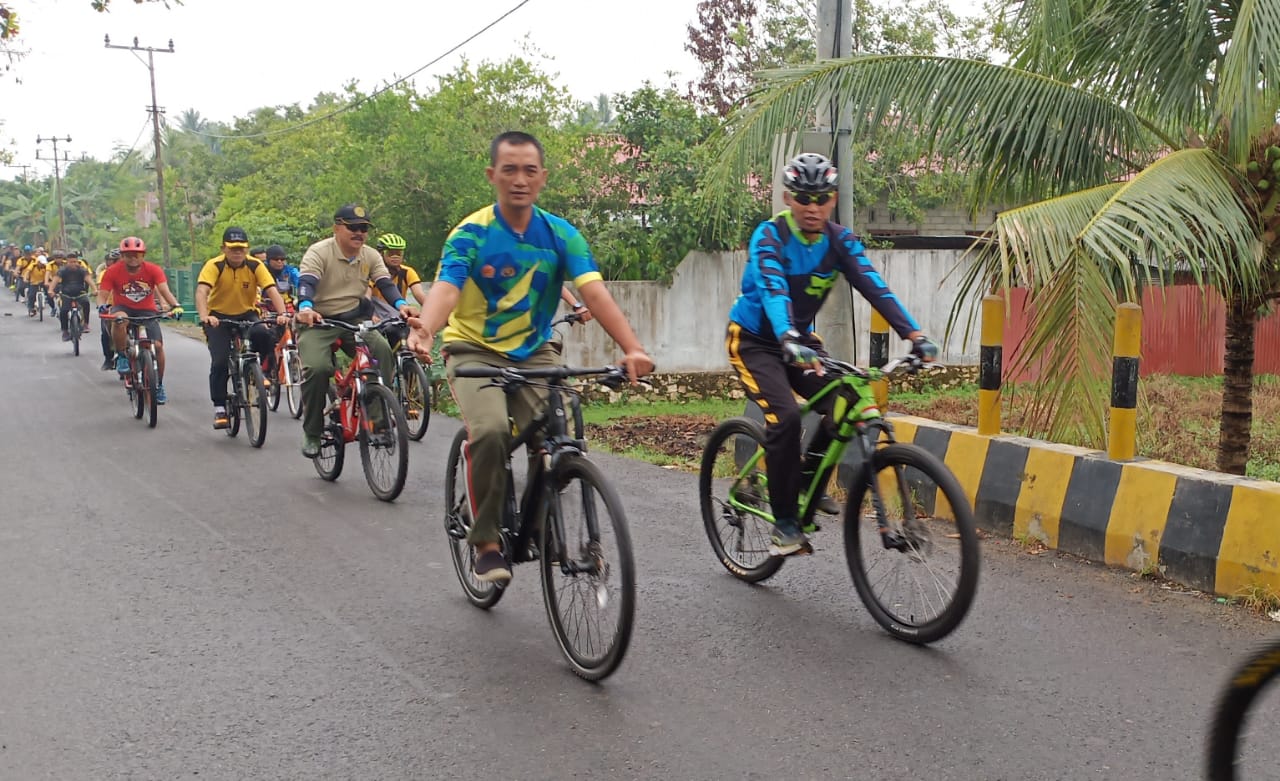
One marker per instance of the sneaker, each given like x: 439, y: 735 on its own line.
x: 310, y: 446
x: 122, y: 363
x: 66, y: 335
x: 108, y: 364
x: 220, y: 418
x: 788, y: 540
x: 491, y: 567
x: 161, y: 396
x: 827, y: 505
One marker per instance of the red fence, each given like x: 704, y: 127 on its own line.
x: 1183, y: 332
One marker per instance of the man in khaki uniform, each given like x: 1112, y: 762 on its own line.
x: 333, y: 277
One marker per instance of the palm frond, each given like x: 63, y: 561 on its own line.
x: 1249, y: 85
x: 1181, y: 213
x: 1155, y: 58
x: 1019, y: 135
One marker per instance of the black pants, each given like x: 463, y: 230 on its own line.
x: 772, y: 384
x: 260, y: 340
x: 64, y: 310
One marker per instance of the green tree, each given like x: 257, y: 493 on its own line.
x: 1143, y: 138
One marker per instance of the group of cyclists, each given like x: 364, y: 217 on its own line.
x: 504, y: 271
x: 62, y: 275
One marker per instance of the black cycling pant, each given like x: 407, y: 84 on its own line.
x: 261, y: 340
x: 772, y: 384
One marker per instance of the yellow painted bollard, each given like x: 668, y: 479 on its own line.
x: 880, y: 356
x: 991, y: 365
x: 1122, y: 434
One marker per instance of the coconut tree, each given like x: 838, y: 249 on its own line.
x: 1141, y: 134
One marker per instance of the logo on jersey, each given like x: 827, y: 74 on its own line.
x: 136, y: 290
x: 819, y: 285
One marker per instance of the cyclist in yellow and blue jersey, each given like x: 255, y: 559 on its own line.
x: 497, y: 289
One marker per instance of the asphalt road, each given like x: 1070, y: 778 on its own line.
x: 178, y: 604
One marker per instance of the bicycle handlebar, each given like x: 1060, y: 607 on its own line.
x: 363, y: 327
x: 909, y: 364
x: 139, y: 318
x: 612, y: 377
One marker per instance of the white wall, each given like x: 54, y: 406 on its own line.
x: 682, y: 325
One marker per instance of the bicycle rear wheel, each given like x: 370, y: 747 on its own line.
x: 333, y: 446
x: 40, y: 306
x: 293, y: 390
x: 921, y: 589
x: 1237, y: 706
x: 150, y: 382
x: 457, y: 524
x: 255, y: 403
x: 735, y: 500
x: 384, y: 442
x: 415, y: 397
x: 590, y: 590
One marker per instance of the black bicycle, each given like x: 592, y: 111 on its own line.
x: 1234, y: 753
x: 142, y: 380
x: 413, y: 389
x: 569, y: 517
x: 75, y: 321
x: 248, y: 395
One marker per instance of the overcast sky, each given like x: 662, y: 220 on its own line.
x: 232, y: 56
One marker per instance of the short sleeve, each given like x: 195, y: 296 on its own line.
x: 208, y: 274
x: 311, y: 263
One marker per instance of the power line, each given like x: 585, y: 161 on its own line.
x: 373, y: 94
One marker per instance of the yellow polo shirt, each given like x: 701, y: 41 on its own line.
x: 233, y: 291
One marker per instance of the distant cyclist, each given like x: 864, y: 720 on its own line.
x: 132, y: 286
x: 72, y: 280
x: 108, y: 351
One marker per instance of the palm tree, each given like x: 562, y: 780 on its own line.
x: 1143, y: 135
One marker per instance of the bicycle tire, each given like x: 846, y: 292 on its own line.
x: 457, y: 524
x: 75, y: 327
x: 614, y: 576
x: 150, y: 382
x: 862, y: 535
x: 414, y: 391
x: 235, y: 399
x: 40, y: 304
x: 746, y: 556
x: 255, y: 403
x: 1231, y: 712
x: 294, y: 389
x: 392, y: 449
x: 273, y: 392
x: 333, y: 446
x: 136, y: 396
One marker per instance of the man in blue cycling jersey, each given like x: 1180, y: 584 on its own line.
x: 793, y: 263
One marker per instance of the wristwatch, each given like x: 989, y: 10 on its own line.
x: 578, y: 305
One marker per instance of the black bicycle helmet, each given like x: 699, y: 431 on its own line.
x: 809, y: 173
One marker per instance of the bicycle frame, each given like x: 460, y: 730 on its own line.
x: 857, y: 417
x: 349, y: 385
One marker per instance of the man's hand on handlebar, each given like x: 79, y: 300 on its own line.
x: 308, y: 316
x: 637, y: 363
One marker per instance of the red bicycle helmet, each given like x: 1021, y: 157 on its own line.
x: 132, y: 244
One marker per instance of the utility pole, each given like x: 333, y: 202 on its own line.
x: 156, y: 111
x: 19, y: 165
x: 833, y: 135
x: 57, y: 178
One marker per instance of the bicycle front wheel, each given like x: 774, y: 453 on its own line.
x: 384, y: 442
x: 273, y: 392
x: 255, y: 403
x: 333, y: 446
x: 415, y: 397
x: 235, y: 399
x: 588, y: 572
x: 734, y: 490
x: 293, y: 386
x: 457, y: 525
x: 75, y: 327
x: 918, y: 575
x: 1233, y: 752
x: 150, y: 382
x: 137, y: 398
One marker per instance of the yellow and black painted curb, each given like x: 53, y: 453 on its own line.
x: 1214, y: 532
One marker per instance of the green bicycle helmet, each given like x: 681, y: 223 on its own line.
x: 391, y: 241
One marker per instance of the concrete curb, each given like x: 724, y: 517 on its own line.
x: 1214, y: 532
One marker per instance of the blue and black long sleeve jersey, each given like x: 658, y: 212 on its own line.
x: 787, y: 279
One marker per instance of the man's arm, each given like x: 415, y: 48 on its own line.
x: 441, y: 299
x: 601, y: 303
x: 168, y: 295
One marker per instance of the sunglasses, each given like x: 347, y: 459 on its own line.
x: 804, y: 199
x: 362, y: 228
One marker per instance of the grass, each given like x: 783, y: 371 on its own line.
x: 718, y: 408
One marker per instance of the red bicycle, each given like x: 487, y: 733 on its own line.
x: 143, y: 379
x: 361, y: 408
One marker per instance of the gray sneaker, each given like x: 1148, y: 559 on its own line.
x: 787, y: 539
x: 828, y: 505
x: 491, y: 567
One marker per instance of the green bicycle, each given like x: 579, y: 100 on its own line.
x: 909, y: 534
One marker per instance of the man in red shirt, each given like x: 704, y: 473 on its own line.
x: 132, y: 285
